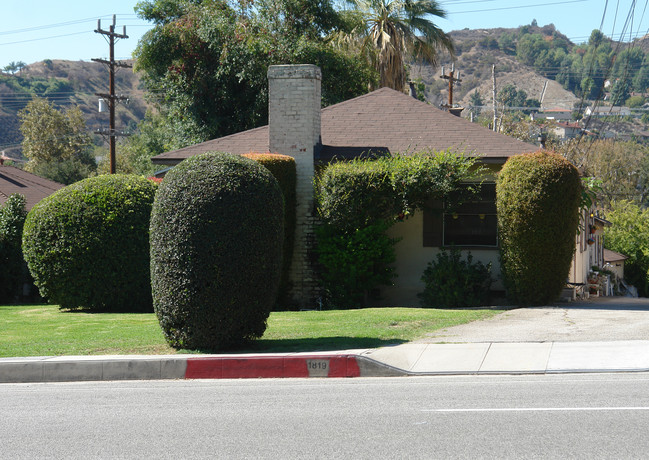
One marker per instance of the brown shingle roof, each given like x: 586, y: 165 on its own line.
x: 32, y: 187
x: 383, y: 120
x: 612, y: 256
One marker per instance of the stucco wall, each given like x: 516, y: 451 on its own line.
x: 412, y: 260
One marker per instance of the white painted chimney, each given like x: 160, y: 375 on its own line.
x: 294, y: 104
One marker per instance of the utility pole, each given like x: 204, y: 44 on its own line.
x: 110, y: 97
x: 493, y: 76
x: 452, y: 79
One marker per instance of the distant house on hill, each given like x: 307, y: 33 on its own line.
x: 567, y: 131
x: 32, y: 187
x: 611, y: 111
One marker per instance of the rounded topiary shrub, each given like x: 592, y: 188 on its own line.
x: 216, y: 251
x: 87, y: 245
x: 537, y: 197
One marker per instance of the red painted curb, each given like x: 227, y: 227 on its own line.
x: 269, y: 366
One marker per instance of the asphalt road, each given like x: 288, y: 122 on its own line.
x: 596, y: 320
x: 560, y: 416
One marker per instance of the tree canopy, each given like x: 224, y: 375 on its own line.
x: 392, y: 32
x: 205, y: 61
x: 56, y: 143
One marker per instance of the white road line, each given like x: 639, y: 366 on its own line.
x: 540, y: 409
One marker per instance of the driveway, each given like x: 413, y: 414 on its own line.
x: 598, y: 319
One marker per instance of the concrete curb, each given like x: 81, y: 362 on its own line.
x: 98, y: 368
x: 413, y: 359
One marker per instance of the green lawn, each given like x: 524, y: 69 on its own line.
x: 44, y: 330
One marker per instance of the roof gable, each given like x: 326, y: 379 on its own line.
x: 381, y: 121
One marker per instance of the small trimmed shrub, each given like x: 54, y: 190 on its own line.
x: 354, y: 262
x: 282, y: 167
x: 87, y: 245
x: 538, y: 197
x: 216, y: 251
x: 452, y: 282
x: 14, y: 273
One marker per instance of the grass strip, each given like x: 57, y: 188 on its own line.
x: 45, y: 330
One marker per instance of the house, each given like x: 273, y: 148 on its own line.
x: 32, y: 187
x: 589, y: 252
x: 554, y: 114
x: 614, y: 261
x: 611, y: 111
x: 565, y: 130
x: 381, y: 121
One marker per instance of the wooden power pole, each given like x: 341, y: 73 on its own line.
x: 452, y: 78
x: 111, y: 97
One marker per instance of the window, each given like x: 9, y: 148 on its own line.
x: 474, y: 223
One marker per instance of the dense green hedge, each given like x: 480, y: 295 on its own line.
x: 354, y: 262
x: 13, y: 274
x: 282, y: 167
x: 216, y: 251
x: 537, y: 197
x: 354, y: 194
x: 87, y: 245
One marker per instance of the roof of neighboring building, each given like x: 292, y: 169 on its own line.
x: 612, y: 256
x: 32, y: 187
x: 381, y: 121
x: 569, y: 125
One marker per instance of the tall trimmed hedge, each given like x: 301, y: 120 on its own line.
x: 13, y: 273
x: 87, y: 245
x: 537, y: 197
x: 282, y: 167
x: 216, y: 251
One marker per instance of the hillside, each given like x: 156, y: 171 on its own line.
x: 67, y: 83
x: 477, y: 51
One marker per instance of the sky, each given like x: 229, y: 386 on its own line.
x: 34, y: 30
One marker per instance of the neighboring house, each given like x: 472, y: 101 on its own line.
x: 381, y: 121
x: 32, y: 187
x: 614, y: 111
x: 554, y: 114
x: 565, y: 131
x: 589, y: 252
x: 614, y: 261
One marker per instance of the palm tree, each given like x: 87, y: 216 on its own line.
x: 393, y: 31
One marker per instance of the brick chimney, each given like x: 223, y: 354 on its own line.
x: 294, y: 104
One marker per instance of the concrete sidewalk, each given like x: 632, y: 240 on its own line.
x: 401, y: 360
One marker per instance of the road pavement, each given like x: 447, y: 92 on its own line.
x: 532, y: 416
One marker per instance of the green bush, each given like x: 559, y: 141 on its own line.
x: 87, y: 245
x: 452, y: 282
x: 354, y: 262
x: 282, y: 167
x: 216, y: 251
x: 354, y: 194
x: 14, y: 274
x: 537, y: 197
